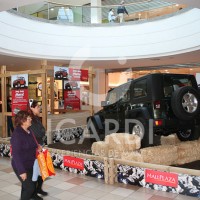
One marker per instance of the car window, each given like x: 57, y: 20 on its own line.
x: 140, y: 88
x: 173, y: 83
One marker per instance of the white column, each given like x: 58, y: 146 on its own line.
x: 96, y: 13
x: 99, y: 88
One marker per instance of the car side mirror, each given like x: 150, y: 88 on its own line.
x: 104, y: 103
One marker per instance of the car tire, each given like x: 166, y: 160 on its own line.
x: 185, y: 103
x: 141, y: 128
x: 94, y: 130
x: 188, y: 134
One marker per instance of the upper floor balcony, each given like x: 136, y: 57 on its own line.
x: 85, y: 12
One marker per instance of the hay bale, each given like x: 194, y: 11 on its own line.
x: 114, y: 153
x: 100, y: 148
x: 163, y: 155
x: 169, y: 140
x: 123, y: 142
x: 132, y: 156
x: 188, y: 152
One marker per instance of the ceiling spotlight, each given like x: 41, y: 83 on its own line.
x: 52, y: 9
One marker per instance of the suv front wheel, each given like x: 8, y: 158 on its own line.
x: 140, y: 128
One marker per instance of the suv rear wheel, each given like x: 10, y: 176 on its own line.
x: 185, y: 103
x: 188, y: 134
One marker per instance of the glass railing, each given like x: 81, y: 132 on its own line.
x: 137, y: 10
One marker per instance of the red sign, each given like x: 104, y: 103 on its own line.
x: 73, y: 162
x: 84, y: 75
x: 78, y: 74
x: 72, y: 99
x: 19, y: 100
x: 161, y: 178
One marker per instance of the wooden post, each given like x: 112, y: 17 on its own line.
x: 44, y: 93
x: 91, y: 103
x: 52, y: 94
x: 106, y: 170
x: 112, y: 171
x: 49, y: 132
x: 4, y: 101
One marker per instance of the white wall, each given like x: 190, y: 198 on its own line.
x: 198, y: 78
x: 27, y: 37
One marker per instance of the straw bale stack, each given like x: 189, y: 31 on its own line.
x: 100, y: 148
x: 169, y: 140
x: 123, y: 142
x: 163, y: 155
x: 188, y: 152
x: 113, y: 153
x: 132, y: 156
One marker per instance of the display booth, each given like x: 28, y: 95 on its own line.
x: 57, y: 95
x: 58, y: 90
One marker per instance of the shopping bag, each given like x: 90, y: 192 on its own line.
x: 45, y: 164
x: 50, y: 164
x: 43, y: 167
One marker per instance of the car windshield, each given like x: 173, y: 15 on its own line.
x: 120, y: 93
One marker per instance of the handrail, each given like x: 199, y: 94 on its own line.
x: 102, y: 6
x: 138, y: 10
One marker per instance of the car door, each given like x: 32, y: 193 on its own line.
x: 111, y: 110
x: 123, y: 103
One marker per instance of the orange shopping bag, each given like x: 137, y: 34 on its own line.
x: 50, y: 166
x: 45, y: 164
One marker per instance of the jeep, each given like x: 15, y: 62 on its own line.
x: 19, y: 82
x: 71, y: 85
x: 62, y: 73
x: 155, y: 104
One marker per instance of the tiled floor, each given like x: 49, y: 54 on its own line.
x: 78, y: 187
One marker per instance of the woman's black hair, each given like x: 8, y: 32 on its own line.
x: 32, y: 104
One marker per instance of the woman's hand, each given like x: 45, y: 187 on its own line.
x: 39, y: 148
x: 23, y: 176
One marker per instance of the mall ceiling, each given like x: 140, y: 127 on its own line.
x: 191, y: 59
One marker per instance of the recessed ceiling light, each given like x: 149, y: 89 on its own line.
x: 52, y: 9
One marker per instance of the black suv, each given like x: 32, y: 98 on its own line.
x: 155, y: 104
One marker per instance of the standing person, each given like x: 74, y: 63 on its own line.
x: 111, y: 15
x: 39, y: 131
x: 23, y: 154
x: 121, y: 10
x: 61, y: 14
x: 10, y: 126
